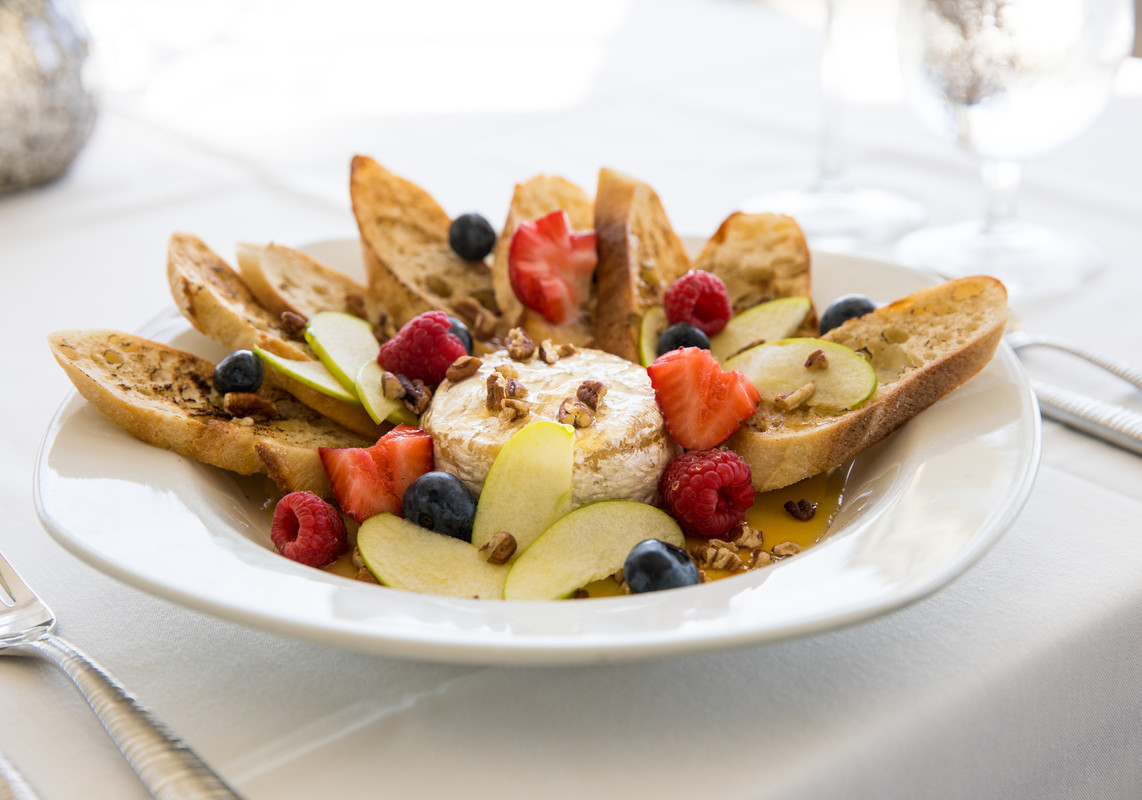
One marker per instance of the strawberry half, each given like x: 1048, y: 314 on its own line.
x: 702, y: 405
x: 551, y: 266
x: 371, y: 480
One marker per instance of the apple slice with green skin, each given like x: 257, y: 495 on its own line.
x: 403, y: 555
x: 777, y: 368
x: 372, y: 395
x: 653, y: 324
x: 769, y: 322
x: 313, y: 374
x: 528, y: 487
x: 590, y: 543
x: 344, y: 344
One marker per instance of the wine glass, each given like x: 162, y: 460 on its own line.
x: 834, y: 213
x: 1008, y: 80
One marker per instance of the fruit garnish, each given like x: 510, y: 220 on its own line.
x: 844, y: 308
x: 308, y: 530
x: 708, y: 492
x: 701, y: 404
x: 699, y: 298
x: 681, y: 334
x: 461, y: 332
x: 765, y: 322
x: 550, y: 266
x: 423, y: 348
x: 440, y: 502
x: 241, y: 371
x: 342, y: 342
x: 471, y: 237
x: 830, y: 375
x: 373, y: 480
x: 653, y: 565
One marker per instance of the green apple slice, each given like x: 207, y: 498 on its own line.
x: 653, y: 324
x: 344, y: 343
x: 778, y: 368
x: 313, y: 374
x: 768, y: 322
x: 372, y: 397
x: 403, y: 555
x: 529, y: 485
x: 588, y: 544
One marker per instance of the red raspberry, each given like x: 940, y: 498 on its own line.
x: 422, y: 349
x: 707, y: 491
x: 699, y: 298
x: 308, y: 530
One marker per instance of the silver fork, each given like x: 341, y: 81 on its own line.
x: 166, y: 765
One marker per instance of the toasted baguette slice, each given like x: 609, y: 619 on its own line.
x: 165, y: 397
x: 921, y: 346
x: 760, y: 257
x: 213, y: 298
x: 532, y: 199
x: 639, y: 256
x: 283, y: 279
x: 410, y: 266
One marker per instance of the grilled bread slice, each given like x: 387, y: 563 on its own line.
x: 410, y: 266
x: 213, y: 297
x: 283, y: 279
x: 922, y: 347
x: 639, y: 256
x: 760, y: 257
x: 166, y: 398
x: 532, y: 199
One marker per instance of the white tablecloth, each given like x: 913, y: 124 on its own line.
x: 1017, y: 680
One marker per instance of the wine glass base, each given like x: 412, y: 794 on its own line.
x: 844, y: 219
x: 1030, y: 259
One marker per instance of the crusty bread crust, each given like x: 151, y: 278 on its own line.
x: 166, y: 398
x: 639, y: 256
x: 404, y: 243
x: 922, y: 347
x: 214, y: 299
x: 760, y: 257
x: 533, y: 199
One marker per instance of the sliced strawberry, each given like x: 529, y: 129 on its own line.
x: 702, y: 405
x: 550, y: 266
x: 371, y: 480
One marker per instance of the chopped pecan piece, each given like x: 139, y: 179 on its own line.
x: 786, y: 549
x: 513, y: 410
x: 515, y: 390
x: 355, y: 305
x: 463, y: 367
x: 762, y: 559
x: 591, y: 393
x: 817, y: 360
x: 392, y: 386
x: 746, y: 537
x: 417, y: 396
x: 790, y: 401
x: 293, y: 323
x: 508, y: 370
x: 366, y: 576
x: 569, y: 349
x: 573, y: 412
x: 580, y: 594
x: 520, y: 346
x: 497, y: 392
x: 499, y: 548
x: 248, y: 404
x: 715, y: 555
x: 481, y: 321
x: 802, y: 510
x: 548, y: 352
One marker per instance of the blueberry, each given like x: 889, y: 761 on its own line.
x: 440, y: 502
x: 461, y: 332
x: 844, y: 308
x: 241, y: 371
x: 471, y: 237
x: 653, y: 565
x: 682, y: 334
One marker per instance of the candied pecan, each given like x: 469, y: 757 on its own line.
x: 355, y: 305
x: 762, y: 559
x: 293, y: 323
x: 513, y: 410
x: 786, y: 549
x: 499, y: 548
x: 548, y: 352
x: 497, y: 392
x: 715, y: 555
x: 508, y: 370
x: 573, y: 412
x: 802, y: 510
x: 515, y: 390
x: 366, y: 576
x: 568, y: 349
x: 520, y: 346
x: 392, y: 386
x: 417, y: 396
x: 817, y: 360
x: 790, y: 401
x: 591, y: 393
x: 462, y: 368
x: 248, y: 404
x: 745, y: 536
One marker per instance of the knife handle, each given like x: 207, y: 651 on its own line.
x: 1111, y: 423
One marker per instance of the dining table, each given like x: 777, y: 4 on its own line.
x: 1016, y: 675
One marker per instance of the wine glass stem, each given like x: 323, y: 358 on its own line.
x: 1001, y: 190
x: 831, y: 166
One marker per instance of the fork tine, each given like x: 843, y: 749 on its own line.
x: 14, y: 585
